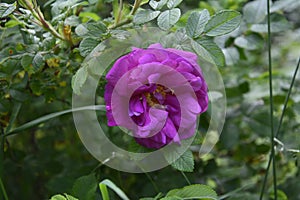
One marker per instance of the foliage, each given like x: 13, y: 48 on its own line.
x: 43, y: 45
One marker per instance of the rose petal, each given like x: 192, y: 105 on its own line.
x: 196, y: 83
x: 156, y: 46
x: 191, y: 57
x: 157, y: 121
x: 135, y: 106
x: 184, y: 66
x: 147, y: 58
x: 120, y: 67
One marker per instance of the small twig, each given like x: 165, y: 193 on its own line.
x: 136, y: 5
x: 282, y: 147
x: 152, y: 182
x: 128, y: 20
x: 38, y: 15
x: 119, y: 15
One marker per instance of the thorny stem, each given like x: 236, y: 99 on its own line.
x: 37, y: 14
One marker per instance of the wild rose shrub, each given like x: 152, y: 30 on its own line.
x: 155, y: 108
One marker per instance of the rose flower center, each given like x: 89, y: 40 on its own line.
x: 157, y: 97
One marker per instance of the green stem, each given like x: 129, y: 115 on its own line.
x: 271, y: 103
x: 279, y: 127
x: 38, y: 15
x: 136, y: 5
x: 2, y: 139
x: 186, y: 178
x: 287, y: 98
x: 128, y: 20
x: 104, y: 191
x: 46, y: 25
x: 152, y: 182
x: 271, y: 112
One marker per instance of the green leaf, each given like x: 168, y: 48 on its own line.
x: 249, y: 42
x: 172, y: 198
x: 278, y: 23
x: 143, y: 2
x: 38, y: 62
x: 275, y: 27
x: 86, y: 16
x: 280, y: 195
x: 94, y: 29
x: 92, y: 1
x: 85, y: 187
x: 12, y: 23
x: 69, y: 197
x: 196, y: 191
x: 158, y: 196
x: 232, y: 55
x: 58, y: 197
x: 168, y: 18
x: 26, y: 62
x: 15, y: 112
x: 7, y: 9
x: 173, y: 3
x: 286, y: 5
x: 81, y: 30
x: 196, y: 23
x: 79, y: 79
x: 72, y: 20
x: 255, y: 11
x: 61, y: 197
x: 115, y: 188
x: 87, y: 45
x: 184, y: 163
x: 209, y: 51
x: 222, y: 23
x: 145, y: 16
x: 156, y: 5
x: 18, y: 95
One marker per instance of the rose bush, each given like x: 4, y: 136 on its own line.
x: 157, y: 94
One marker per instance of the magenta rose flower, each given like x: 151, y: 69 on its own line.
x: 157, y: 94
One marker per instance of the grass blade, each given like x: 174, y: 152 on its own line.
x: 3, y: 190
x: 104, y: 192
x: 51, y: 116
x: 287, y: 98
x: 15, y: 112
x: 107, y: 183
